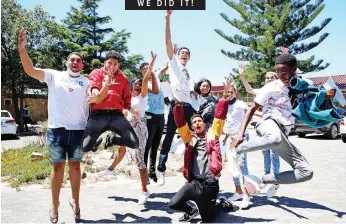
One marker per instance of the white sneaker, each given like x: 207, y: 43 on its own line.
x: 233, y: 163
x: 272, y: 190
x: 107, y: 172
x: 245, y: 203
x: 236, y: 197
x: 160, y: 178
x: 143, y: 198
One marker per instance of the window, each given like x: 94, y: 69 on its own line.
x: 7, y: 101
x: 5, y: 114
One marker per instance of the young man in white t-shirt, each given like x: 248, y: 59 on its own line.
x: 180, y: 83
x: 67, y: 117
x: 272, y: 131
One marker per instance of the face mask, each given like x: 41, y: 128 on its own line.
x: 73, y: 74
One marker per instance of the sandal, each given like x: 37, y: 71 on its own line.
x: 76, y: 214
x: 54, y: 219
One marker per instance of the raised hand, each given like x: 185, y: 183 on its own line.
x: 168, y: 13
x: 175, y: 49
x: 284, y: 50
x: 242, y: 69
x: 21, y: 39
x: 227, y: 84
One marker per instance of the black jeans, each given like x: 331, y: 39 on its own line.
x: 203, y: 193
x: 102, y: 120
x: 155, y: 124
x: 170, y: 132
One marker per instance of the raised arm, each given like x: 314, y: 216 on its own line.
x: 244, y: 80
x: 220, y: 113
x: 182, y: 125
x: 169, y: 45
x: 148, y: 74
x: 28, y: 67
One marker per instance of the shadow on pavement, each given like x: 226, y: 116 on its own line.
x: 284, y: 202
x: 118, y: 218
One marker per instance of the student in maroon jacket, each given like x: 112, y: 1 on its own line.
x: 110, y: 95
x: 202, y: 164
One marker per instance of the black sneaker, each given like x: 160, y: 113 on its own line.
x: 227, y: 205
x: 97, y: 144
x: 153, y: 176
x: 108, y: 142
x: 188, y: 217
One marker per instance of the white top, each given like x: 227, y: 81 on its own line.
x: 67, y: 105
x: 235, y: 117
x: 180, y: 80
x: 276, y: 103
x: 139, y: 103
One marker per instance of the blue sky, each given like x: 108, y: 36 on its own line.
x: 195, y: 29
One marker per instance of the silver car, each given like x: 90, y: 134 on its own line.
x: 331, y: 131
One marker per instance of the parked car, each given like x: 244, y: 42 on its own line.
x: 8, y: 124
x: 343, y: 129
x: 331, y: 130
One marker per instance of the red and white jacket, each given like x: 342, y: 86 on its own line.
x: 212, y: 137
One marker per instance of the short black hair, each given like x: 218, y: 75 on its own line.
x: 143, y: 65
x: 135, y: 82
x: 197, y: 86
x: 113, y: 55
x: 75, y: 53
x: 26, y: 106
x: 287, y: 59
x: 196, y: 115
x: 185, y: 49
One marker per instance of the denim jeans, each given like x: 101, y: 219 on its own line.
x: 243, y: 164
x: 271, y: 161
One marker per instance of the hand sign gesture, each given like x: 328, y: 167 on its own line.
x: 21, y: 39
x: 241, y: 69
x: 284, y: 50
x: 168, y: 13
x: 151, y: 65
x: 227, y: 85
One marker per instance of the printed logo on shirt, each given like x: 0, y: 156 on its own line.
x: 70, y: 89
x: 77, y: 82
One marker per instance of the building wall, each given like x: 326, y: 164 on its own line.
x: 38, y: 108
x: 9, y: 108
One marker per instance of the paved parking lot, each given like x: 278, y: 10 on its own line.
x: 321, y: 200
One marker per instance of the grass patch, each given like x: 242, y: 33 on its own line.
x: 17, y: 168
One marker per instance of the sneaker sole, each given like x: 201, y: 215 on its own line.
x: 272, y: 195
x: 250, y: 186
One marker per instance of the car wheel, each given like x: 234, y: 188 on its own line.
x: 301, y: 134
x: 343, y: 138
x: 333, y: 132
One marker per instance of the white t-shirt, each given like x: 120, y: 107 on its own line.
x: 276, y: 103
x: 180, y: 80
x: 235, y: 117
x: 139, y: 103
x: 67, y: 105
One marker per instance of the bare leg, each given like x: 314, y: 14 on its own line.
x: 143, y: 173
x: 57, y: 176
x: 75, y: 179
x: 120, y: 156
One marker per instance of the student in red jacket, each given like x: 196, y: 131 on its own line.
x: 202, y: 164
x: 110, y: 95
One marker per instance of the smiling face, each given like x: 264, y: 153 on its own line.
x: 232, y: 93
x: 205, y: 88
x: 75, y: 63
x: 184, y: 56
x: 112, y: 64
x: 285, y: 73
x: 270, y: 77
x: 198, y: 125
x: 137, y: 87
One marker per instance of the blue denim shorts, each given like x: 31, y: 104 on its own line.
x: 62, y: 142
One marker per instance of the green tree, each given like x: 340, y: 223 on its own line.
x: 89, y: 32
x: 269, y: 24
x: 43, y: 45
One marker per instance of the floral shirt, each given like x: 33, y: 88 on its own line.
x: 276, y: 103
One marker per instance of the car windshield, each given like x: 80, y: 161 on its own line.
x: 5, y: 114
